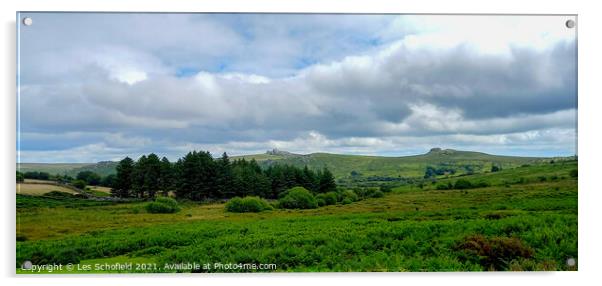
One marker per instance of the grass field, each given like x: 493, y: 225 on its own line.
x: 39, y: 189
x: 51, y: 168
x: 530, y: 210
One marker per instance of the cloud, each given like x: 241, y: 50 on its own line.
x: 353, y: 84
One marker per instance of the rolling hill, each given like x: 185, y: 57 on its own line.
x: 345, y: 166
x: 407, y: 166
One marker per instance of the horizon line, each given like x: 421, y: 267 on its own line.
x: 319, y: 152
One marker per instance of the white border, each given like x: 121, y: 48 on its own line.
x: 589, y: 138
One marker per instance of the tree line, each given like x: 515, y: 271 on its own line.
x: 82, y: 178
x: 198, y: 176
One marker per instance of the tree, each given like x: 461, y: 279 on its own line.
x: 20, y: 177
x: 249, y: 180
x: 430, y: 172
x: 225, y: 178
x: 80, y: 184
x: 152, y: 175
x: 89, y: 177
x: 327, y: 183
x: 109, y: 181
x: 495, y: 168
x: 166, y: 176
x: 123, y: 181
x: 196, y: 176
x: 36, y: 175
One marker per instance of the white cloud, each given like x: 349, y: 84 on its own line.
x: 305, y: 84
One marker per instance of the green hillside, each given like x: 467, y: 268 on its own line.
x: 51, y: 168
x: 71, y: 169
x: 345, y: 166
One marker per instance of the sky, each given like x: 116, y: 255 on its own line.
x: 102, y: 86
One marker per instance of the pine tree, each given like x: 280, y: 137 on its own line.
x: 166, y: 177
x: 327, y: 183
x: 225, y: 178
x: 123, y: 182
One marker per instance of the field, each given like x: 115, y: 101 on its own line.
x: 39, y: 188
x: 527, y: 215
x: 51, y: 168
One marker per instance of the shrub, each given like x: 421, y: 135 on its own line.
x: 20, y: 177
x: 298, y: 198
x: 58, y: 195
x: 462, y: 184
x: 496, y: 252
x: 481, y: 184
x: 163, y: 205
x: 377, y: 194
x: 346, y: 201
x: 386, y: 188
x: 349, y: 194
x: 247, y: 205
x: 320, y: 202
x: 361, y: 193
x: 374, y: 193
x: 443, y: 186
x: 573, y: 173
x: 329, y: 198
x: 80, y: 184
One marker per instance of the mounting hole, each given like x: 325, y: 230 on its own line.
x: 571, y: 262
x: 26, y: 265
x: 570, y: 24
x: 27, y: 21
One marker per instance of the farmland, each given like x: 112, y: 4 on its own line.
x: 527, y: 213
x: 37, y: 189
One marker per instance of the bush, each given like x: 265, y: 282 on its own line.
x: 58, y: 195
x: 346, y: 201
x: 320, y: 202
x: 360, y: 192
x: 329, y: 198
x: 462, y: 184
x: 573, y: 173
x: 443, y: 186
x: 349, y: 194
x: 481, y: 184
x: 496, y: 252
x: 377, y: 194
x: 20, y: 177
x: 163, y: 205
x: 386, y: 188
x: 247, y: 205
x: 298, y: 198
x: 80, y: 184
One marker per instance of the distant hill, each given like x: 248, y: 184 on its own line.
x: 102, y: 168
x: 344, y: 166
x: 406, y: 166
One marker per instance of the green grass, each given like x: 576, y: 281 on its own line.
x: 71, y: 169
x: 410, y: 229
x: 396, y: 167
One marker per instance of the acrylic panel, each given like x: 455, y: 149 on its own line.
x: 237, y: 142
